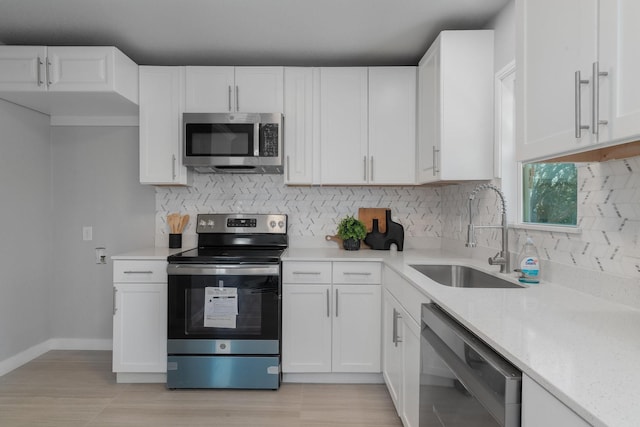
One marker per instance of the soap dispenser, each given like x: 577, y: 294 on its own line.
x: 529, y: 263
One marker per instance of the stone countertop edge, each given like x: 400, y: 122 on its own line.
x: 581, y: 348
x: 148, y: 254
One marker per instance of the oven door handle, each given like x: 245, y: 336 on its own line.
x: 222, y: 270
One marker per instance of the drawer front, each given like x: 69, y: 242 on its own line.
x: 306, y: 272
x: 140, y: 271
x: 357, y: 272
x: 409, y: 297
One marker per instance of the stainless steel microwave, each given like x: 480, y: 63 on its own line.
x: 233, y: 142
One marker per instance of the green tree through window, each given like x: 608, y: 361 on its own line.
x: 550, y: 193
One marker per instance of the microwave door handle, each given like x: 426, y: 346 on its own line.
x: 256, y: 139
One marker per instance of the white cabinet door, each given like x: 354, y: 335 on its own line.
x: 22, y: 68
x: 73, y: 69
x: 428, y: 115
x: 298, y: 125
x: 343, y: 125
x: 356, y: 328
x: 552, y: 47
x: 209, y: 89
x: 306, y: 328
x: 391, y: 349
x: 139, y: 327
x: 259, y: 89
x: 541, y: 408
x: 392, y: 125
x: 161, y: 106
x: 618, y: 56
x: 455, y: 110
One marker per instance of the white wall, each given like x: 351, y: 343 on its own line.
x: 95, y: 183
x: 25, y: 234
x: 504, y: 26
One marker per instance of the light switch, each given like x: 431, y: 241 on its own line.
x: 87, y: 233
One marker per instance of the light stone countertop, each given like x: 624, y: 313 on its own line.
x: 583, y: 349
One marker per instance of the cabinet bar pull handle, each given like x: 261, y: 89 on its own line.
x: 328, y: 304
x: 356, y: 273
x: 138, y: 272
x: 237, y: 99
x: 396, y: 316
x: 315, y: 273
x: 114, y: 300
x: 173, y: 166
x: 371, y: 171
x: 48, y: 72
x: 578, y: 99
x: 337, y: 303
x: 288, y: 169
x: 39, y: 71
x: 365, y: 167
x: 435, y: 160
x: 229, y: 97
x: 595, y: 108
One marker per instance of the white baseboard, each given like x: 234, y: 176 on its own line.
x: 14, y: 362
x: 333, y: 378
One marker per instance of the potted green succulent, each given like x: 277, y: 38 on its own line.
x: 351, y: 231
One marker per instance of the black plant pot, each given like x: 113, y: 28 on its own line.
x: 351, y: 244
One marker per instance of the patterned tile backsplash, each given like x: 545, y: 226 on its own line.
x: 608, y: 211
x: 313, y: 211
x: 608, y: 215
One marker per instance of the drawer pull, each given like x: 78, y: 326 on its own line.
x: 138, y: 272
x: 310, y: 273
x: 356, y: 273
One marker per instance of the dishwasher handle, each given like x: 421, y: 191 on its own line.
x: 505, y: 408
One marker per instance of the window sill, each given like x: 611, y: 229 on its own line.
x: 551, y: 228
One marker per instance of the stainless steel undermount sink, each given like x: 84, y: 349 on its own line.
x: 460, y: 276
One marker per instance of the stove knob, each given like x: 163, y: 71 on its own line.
x: 281, y: 224
x: 272, y: 224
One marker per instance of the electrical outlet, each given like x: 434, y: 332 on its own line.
x: 87, y: 233
x: 101, y: 257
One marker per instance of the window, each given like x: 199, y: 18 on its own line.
x: 550, y: 193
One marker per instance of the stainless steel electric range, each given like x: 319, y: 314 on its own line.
x: 224, y: 306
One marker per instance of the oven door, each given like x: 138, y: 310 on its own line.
x: 224, y: 309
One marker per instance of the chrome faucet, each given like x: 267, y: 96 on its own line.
x: 502, y: 257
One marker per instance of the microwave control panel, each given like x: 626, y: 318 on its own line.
x: 269, y: 133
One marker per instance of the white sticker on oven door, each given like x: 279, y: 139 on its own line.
x: 220, y: 307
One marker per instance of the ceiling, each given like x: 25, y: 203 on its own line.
x: 246, y: 32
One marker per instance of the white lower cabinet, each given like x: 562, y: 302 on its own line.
x: 401, y: 345
x: 140, y: 320
x: 329, y: 326
x: 541, y: 408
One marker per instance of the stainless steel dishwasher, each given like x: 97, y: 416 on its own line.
x: 463, y: 382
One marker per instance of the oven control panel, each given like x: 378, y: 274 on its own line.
x: 242, y: 223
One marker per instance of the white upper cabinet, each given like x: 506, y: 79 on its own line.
x: 234, y: 89
x: 619, y: 41
x: 576, y: 77
x: 209, y: 89
x: 298, y: 125
x: 455, y: 108
x: 161, y: 107
x: 367, y: 125
x: 69, y: 81
x: 343, y: 125
x: 552, y: 48
x: 392, y: 125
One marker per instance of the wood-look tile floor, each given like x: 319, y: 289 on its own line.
x: 77, y: 388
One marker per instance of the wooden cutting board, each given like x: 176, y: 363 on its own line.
x: 367, y: 215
